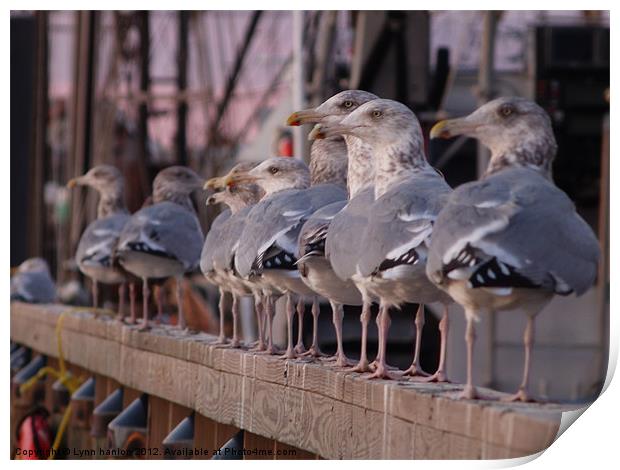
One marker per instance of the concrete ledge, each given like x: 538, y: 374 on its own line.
x: 307, y: 405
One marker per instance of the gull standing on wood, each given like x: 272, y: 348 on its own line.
x: 409, y: 194
x: 269, y: 245
x: 164, y: 239
x: 512, y: 239
x: 33, y: 283
x: 214, y: 261
x: 343, y: 242
x: 313, y: 265
x: 95, y: 252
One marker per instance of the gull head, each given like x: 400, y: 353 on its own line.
x: 178, y: 180
x: 379, y: 122
x: 332, y: 110
x: 507, y: 126
x: 103, y: 178
x: 276, y: 174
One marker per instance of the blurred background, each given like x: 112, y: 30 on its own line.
x: 147, y: 89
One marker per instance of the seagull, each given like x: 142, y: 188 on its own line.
x: 268, y: 245
x: 408, y: 195
x: 512, y: 239
x: 214, y: 262
x: 95, y: 252
x: 343, y: 242
x: 33, y: 283
x: 315, y: 269
x: 164, y: 239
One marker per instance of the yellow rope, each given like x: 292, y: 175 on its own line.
x: 66, y: 379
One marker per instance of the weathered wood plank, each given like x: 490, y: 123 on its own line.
x: 302, y: 404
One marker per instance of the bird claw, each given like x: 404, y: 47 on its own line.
x: 300, y: 348
x: 339, y: 361
x: 288, y: 354
x: 314, y: 352
x: 521, y: 396
x: 361, y: 367
x: 469, y: 393
x: 437, y: 377
x: 416, y: 371
x: 383, y: 372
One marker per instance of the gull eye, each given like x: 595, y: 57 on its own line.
x: 506, y: 110
x: 377, y: 114
x: 348, y: 104
x: 273, y: 170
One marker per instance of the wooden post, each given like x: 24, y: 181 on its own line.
x: 82, y: 112
x: 181, y: 136
x: 36, y: 215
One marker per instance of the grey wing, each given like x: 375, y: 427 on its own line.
x: 33, y: 287
x: 515, y: 230
x: 270, y: 225
x: 236, y: 225
x: 401, y: 223
x: 99, y: 240
x: 314, y: 231
x: 213, y: 240
x: 274, y: 225
x: 345, y: 235
x: 165, y: 229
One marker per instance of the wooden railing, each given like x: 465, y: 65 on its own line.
x: 307, y: 408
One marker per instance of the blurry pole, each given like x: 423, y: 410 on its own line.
x: 485, y: 94
x: 181, y: 137
x: 297, y: 87
x: 486, y: 74
x: 324, y: 47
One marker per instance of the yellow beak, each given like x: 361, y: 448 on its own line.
x: 305, y: 116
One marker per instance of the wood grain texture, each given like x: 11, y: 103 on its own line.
x: 298, y: 404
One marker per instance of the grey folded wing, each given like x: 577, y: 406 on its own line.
x: 98, y: 242
x: 213, y: 242
x: 313, y: 234
x: 273, y: 226
x: 401, y: 222
x: 514, y: 229
x: 164, y: 229
x: 346, y: 231
x: 33, y: 287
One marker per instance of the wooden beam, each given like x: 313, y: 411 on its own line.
x: 310, y: 406
x: 181, y: 137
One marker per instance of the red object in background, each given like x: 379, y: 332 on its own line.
x: 34, y: 436
x: 285, y: 147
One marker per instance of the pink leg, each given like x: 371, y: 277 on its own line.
x: 363, y: 365
x: 271, y: 349
x: 528, y: 341
x: 221, y: 339
x: 258, y: 309
x: 415, y: 369
x: 159, y: 299
x: 145, y: 305
x: 290, y: 312
x: 121, y: 302
x: 340, y: 357
x: 383, y: 324
x: 440, y: 375
x: 182, y: 323
x: 469, y: 392
x: 301, y: 310
x: 236, y: 340
x: 314, y: 350
x: 95, y: 287
x: 132, y: 303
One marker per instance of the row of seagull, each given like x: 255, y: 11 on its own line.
x: 369, y: 220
